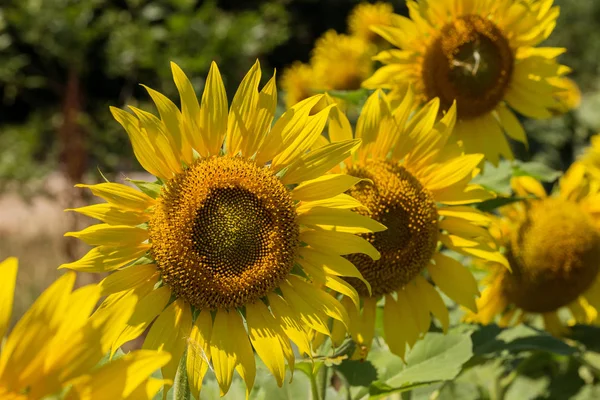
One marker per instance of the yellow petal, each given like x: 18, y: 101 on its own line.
x: 419, y: 308
x: 104, y: 234
x: 395, y: 334
x: 190, y: 110
x: 407, y: 319
x: 121, y: 378
x: 172, y: 120
x: 121, y: 195
x: 128, y: 278
x: 455, y: 280
x: 339, y: 127
x: 339, y: 243
x: 107, y: 258
x: 467, y: 213
x: 223, y: 348
x: 286, y: 129
x: 148, y: 307
x: 340, y: 202
x: 198, y: 351
x: 242, y: 111
x: 433, y: 301
x: 142, y: 147
x: 339, y: 220
x: 264, y: 114
x: 169, y: 333
x: 299, y: 305
x: 290, y: 323
x: 332, y: 264
x: 304, y: 140
x: 526, y: 185
x: 112, y: 215
x: 213, y: 113
x: 269, y: 340
x: 317, y: 162
x: 324, y: 187
x: 8, y: 269
x: 318, y: 299
x: 375, y: 109
x: 454, y: 171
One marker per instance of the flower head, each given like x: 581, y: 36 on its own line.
x: 341, y: 62
x: 553, y: 246
x: 482, y: 55
x: 367, y: 15
x: 217, y: 249
x: 299, y: 82
x: 56, y: 346
x: 417, y: 184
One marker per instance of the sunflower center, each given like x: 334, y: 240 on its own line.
x: 470, y: 61
x: 399, y: 201
x: 555, y: 256
x: 224, y: 233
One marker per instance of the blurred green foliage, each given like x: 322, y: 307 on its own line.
x: 61, y: 56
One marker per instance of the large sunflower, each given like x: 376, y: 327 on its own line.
x: 55, y: 347
x: 224, y: 230
x: 481, y: 54
x: 553, y: 247
x: 418, y: 186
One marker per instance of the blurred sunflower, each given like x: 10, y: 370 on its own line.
x: 55, y: 347
x: 553, y: 247
x: 591, y: 156
x: 221, y: 232
x: 341, y: 62
x: 417, y: 185
x: 569, y: 97
x: 298, y: 83
x: 482, y: 55
x: 365, y: 15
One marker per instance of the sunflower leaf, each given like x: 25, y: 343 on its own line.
x: 152, y: 189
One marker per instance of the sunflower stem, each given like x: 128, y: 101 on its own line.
x: 323, y: 372
x: 314, y: 388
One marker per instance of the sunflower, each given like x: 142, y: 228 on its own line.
x: 569, y: 98
x: 416, y: 184
x: 341, y: 62
x: 480, y: 54
x: 364, y: 16
x: 55, y: 347
x: 591, y: 156
x: 298, y: 83
x: 217, y: 249
x: 553, y: 247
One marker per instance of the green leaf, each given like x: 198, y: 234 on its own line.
x: 492, y: 204
x: 436, y: 358
x: 356, y: 97
x: 358, y: 373
x: 491, y: 340
x: 536, y: 170
x: 152, y: 189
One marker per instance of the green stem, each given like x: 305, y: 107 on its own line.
x: 324, y: 372
x: 314, y: 389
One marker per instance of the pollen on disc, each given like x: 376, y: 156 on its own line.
x: 554, y: 255
x: 224, y: 233
x: 470, y: 61
x: 394, y: 197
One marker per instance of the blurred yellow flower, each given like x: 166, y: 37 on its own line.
x: 553, y: 246
x: 298, y: 82
x: 341, y: 62
x: 55, y: 347
x: 480, y: 54
x: 569, y: 97
x: 222, y: 232
x: 366, y: 15
x: 418, y: 185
